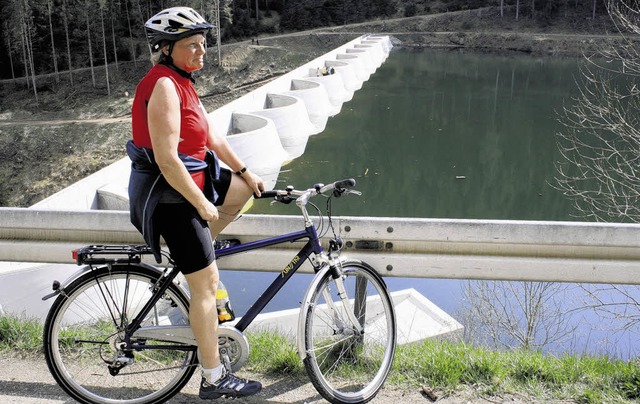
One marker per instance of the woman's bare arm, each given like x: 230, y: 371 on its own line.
x: 164, y: 127
x: 223, y: 149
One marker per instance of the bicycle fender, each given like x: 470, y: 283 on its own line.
x: 60, y: 287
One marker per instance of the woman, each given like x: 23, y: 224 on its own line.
x: 177, y: 187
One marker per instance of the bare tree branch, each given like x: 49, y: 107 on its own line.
x: 600, y: 145
x: 618, y: 303
x: 529, y: 315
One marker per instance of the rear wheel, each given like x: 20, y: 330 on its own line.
x: 350, y: 344
x: 84, y: 338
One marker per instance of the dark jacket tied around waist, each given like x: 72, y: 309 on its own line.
x: 147, y: 184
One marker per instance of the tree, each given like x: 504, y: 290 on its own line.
x: 225, y: 9
x: 65, y: 20
x: 26, y: 28
x: 102, y: 4
x: 7, y: 42
x: 133, y: 50
x: 215, y: 17
x: 295, y: 17
x: 528, y: 315
x: 600, y: 146
x: 53, y: 45
x: 382, y: 8
x: 93, y: 74
x: 618, y: 304
x: 112, y: 13
x: 142, y: 21
x: 600, y: 143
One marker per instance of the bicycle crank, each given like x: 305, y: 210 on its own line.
x: 233, y: 347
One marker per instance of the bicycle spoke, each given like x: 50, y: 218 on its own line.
x: 86, y: 348
x: 349, y: 336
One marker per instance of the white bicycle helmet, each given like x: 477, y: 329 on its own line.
x: 174, y: 24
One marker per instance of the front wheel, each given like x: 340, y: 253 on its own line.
x: 85, y: 339
x: 349, y: 342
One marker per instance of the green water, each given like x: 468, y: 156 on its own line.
x: 452, y: 134
x: 446, y: 135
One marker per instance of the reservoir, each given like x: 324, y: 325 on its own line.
x: 447, y: 135
x: 441, y: 134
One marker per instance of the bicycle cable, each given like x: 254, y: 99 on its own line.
x: 329, y: 216
x: 320, y: 225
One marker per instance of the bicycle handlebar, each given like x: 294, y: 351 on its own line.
x: 343, y: 184
x: 266, y: 194
x: 290, y: 194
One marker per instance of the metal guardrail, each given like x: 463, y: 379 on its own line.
x: 399, y: 247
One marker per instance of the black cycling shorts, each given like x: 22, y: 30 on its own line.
x: 222, y: 185
x: 186, y: 234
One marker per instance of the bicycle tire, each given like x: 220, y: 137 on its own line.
x: 85, y: 323
x: 347, y: 367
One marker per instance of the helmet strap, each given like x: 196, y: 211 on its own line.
x: 167, y: 60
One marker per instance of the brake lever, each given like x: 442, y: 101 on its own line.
x: 283, y: 199
x: 339, y: 192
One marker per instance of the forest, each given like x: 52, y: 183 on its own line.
x: 51, y: 36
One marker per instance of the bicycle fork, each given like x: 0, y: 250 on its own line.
x: 354, y: 307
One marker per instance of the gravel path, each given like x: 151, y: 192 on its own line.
x: 29, y: 381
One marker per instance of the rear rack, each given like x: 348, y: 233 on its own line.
x: 110, y: 254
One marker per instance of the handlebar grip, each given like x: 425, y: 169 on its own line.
x: 266, y: 194
x: 346, y: 183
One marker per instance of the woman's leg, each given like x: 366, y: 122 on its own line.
x: 189, y: 240
x: 237, y: 196
x: 203, y: 314
x: 203, y: 284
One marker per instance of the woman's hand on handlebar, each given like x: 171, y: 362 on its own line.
x: 254, y: 181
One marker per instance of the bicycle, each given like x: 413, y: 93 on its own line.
x: 118, y: 330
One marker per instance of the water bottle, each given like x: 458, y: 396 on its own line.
x: 225, y: 313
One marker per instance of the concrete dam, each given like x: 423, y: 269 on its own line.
x: 267, y: 127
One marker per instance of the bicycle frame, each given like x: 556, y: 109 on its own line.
x: 183, y: 333
x: 311, y: 247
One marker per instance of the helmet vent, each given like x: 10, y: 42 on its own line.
x: 186, y: 17
x: 174, y: 26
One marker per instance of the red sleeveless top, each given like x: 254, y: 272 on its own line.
x: 194, y: 127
